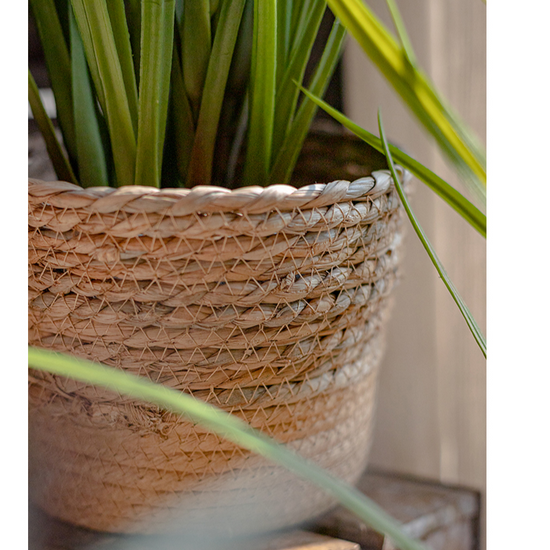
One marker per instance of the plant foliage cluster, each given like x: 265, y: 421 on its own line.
x: 180, y: 93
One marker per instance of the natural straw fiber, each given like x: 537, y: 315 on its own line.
x: 266, y: 302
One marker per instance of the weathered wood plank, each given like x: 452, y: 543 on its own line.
x: 445, y: 518
x: 46, y: 533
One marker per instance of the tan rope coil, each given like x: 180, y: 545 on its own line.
x: 266, y: 302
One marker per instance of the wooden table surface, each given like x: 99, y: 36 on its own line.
x: 445, y: 518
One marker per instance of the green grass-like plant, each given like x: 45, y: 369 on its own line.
x: 178, y: 93
x: 447, y: 192
x: 175, y: 93
x: 468, y: 317
x: 395, y: 60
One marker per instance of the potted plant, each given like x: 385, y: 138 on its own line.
x: 174, y: 248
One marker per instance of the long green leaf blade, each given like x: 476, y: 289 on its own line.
x: 262, y: 93
x: 287, y: 91
x: 62, y: 8
x: 448, y: 193
x: 92, y: 17
x: 300, y: 10
x: 287, y: 155
x: 214, y: 6
x: 60, y: 163
x: 401, y: 31
x: 284, y: 23
x: 182, y: 117
x: 133, y: 13
x: 468, y: 317
x: 86, y: 35
x: 121, y: 34
x: 416, y: 91
x: 55, y: 151
x: 226, y: 425
x: 157, y: 33
x: 57, y: 59
x: 239, y: 73
x: 196, y: 45
x: 200, y: 167
x: 92, y: 167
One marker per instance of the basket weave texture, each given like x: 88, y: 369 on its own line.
x: 268, y: 303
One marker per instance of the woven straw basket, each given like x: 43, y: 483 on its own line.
x: 267, y: 303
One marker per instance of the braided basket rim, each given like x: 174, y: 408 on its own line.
x: 183, y: 201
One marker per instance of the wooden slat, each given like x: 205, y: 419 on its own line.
x: 300, y: 540
x: 406, y: 431
x: 431, y: 412
x: 445, y: 518
x: 458, y: 45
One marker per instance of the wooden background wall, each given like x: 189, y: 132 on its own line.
x: 431, y: 409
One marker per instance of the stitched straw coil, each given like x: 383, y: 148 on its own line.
x: 266, y: 302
